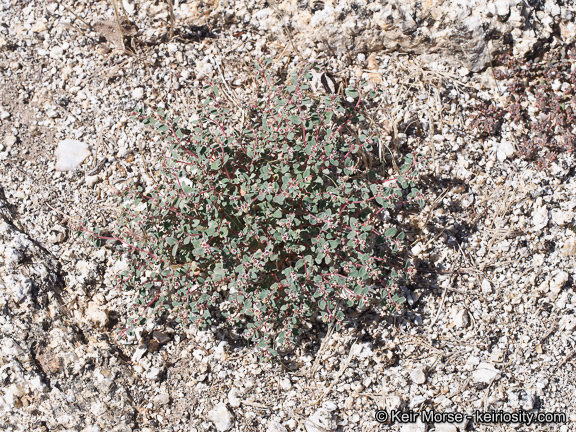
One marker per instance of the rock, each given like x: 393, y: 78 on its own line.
x: 562, y: 218
x: 538, y: 260
x: 362, y: 350
x: 10, y: 140
x: 461, y: 319
x: 540, y: 218
x: 486, y: 286
x: 138, y: 93
x: 568, y: 323
x: 521, y: 400
x: 486, y: 373
x: 502, y: 7
x: 274, y: 426
x: 418, y: 375
x: 4, y: 115
x: 57, y: 234
x: 234, y: 398
x: 417, y: 400
x: 557, y: 283
x: 92, y: 180
x: 569, y: 248
x: 70, y: 153
x: 162, y: 338
x: 220, y: 351
x: 321, y: 421
x: 104, y: 380
x: 505, y: 150
x: 496, y: 355
x: 221, y: 417
x: 154, y: 373
x: 285, y: 384
x: 139, y: 353
x: 161, y: 399
x: 448, y: 31
x: 330, y: 406
x: 97, y: 314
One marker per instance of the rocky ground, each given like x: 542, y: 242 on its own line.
x: 489, y: 321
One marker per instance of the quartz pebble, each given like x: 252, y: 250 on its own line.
x: 221, y: 417
x: 486, y: 373
x: 418, y: 375
x: 70, y: 154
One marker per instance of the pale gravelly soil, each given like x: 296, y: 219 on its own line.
x: 489, y: 322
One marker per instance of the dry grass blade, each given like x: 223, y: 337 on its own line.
x: 321, y: 351
x: 343, y: 368
x: 117, y: 15
x: 172, y: 19
x: 74, y: 13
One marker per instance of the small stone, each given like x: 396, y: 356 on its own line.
x: 221, y: 417
x: 274, y: 426
x: 56, y: 52
x: 502, y: 7
x: 70, y: 154
x: 233, y: 398
x: 96, y: 314
x: 321, y: 421
x: 4, y: 115
x: 153, y: 345
x: 92, y: 180
x: 418, y: 375
x: 486, y: 373
x: 9, y: 141
x: 161, y: 399
x: 98, y: 408
x: 486, y: 286
x: 330, y: 406
x: 417, y: 400
x: 505, y: 150
x: 540, y: 218
x: 162, y: 338
x: 461, y: 319
x: 139, y: 353
x: 362, y: 350
x: 538, y: 260
x: 569, y: 248
x: 558, y: 282
x: 285, y: 384
x: 496, y: 355
x: 154, y: 373
x: 562, y: 218
x: 138, y: 93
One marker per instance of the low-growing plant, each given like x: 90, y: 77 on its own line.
x: 547, y: 86
x: 266, y: 218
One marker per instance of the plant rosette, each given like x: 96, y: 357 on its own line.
x: 267, y: 218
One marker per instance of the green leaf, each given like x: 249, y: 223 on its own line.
x: 353, y: 93
x: 295, y: 119
x: 390, y: 232
x: 171, y: 240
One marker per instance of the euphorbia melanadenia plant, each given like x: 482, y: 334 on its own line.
x: 267, y: 221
